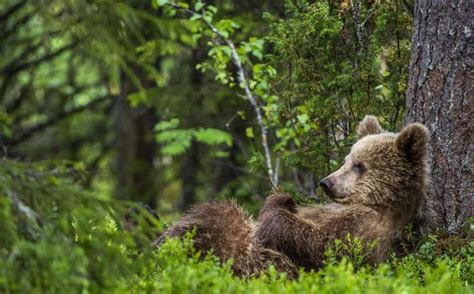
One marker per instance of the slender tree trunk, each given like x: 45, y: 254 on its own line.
x: 189, y: 170
x: 136, y: 149
x: 125, y: 138
x: 227, y: 171
x: 441, y: 95
x: 191, y: 161
x: 144, y: 173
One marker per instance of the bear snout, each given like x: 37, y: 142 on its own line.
x: 326, y: 184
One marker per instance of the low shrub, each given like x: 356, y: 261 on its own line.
x: 57, y: 238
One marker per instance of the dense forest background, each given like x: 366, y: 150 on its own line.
x: 91, y: 84
x: 106, y: 104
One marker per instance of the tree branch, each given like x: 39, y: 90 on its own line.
x: 15, y: 104
x: 23, y: 208
x: 360, y: 25
x: 11, y: 10
x: 244, y: 83
x: 53, y: 120
x: 12, y: 69
x: 14, y: 28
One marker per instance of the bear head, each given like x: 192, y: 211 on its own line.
x: 383, y: 168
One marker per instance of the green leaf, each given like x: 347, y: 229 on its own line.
x: 198, y: 6
x: 212, y: 9
x: 161, y: 2
x: 249, y: 132
x: 176, y: 148
x: 175, y: 142
x: 211, y: 136
x: 258, y: 54
x: 302, y: 118
x: 183, y: 4
x: 208, y: 16
x: 196, y: 37
x: 195, y: 17
x: 166, y: 125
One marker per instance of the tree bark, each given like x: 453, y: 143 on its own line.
x: 441, y: 95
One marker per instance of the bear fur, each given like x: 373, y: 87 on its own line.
x: 378, y: 191
x: 226, y: 230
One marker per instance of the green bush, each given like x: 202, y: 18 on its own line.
x: 57, y: 238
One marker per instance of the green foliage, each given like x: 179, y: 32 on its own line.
x: 454, y: 251
x: 177, y: 141
x: 66, y: 64
x: 325, y: 79
x: 303, y: 63
x: 312, y: 77
x: 58, y: 238
x: 351, y: 248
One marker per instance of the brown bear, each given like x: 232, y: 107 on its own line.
x: 226, y: 230
x: 377, y: 192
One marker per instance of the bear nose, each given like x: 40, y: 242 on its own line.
x: 325, y: 183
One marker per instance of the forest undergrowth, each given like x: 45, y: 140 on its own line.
x: 58, y: 238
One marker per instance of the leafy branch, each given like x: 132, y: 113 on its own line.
x: 243, y: 80
x: 176, y: 140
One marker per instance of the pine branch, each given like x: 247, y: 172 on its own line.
x: 53, y: 120
x: 14, y: 28
x: 11, y: 10
x: 13, y: 69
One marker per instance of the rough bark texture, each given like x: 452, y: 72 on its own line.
x: 441, y: 95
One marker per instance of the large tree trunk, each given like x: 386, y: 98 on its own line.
x: 440, y: 95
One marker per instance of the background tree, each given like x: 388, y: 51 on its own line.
x: 104, y: 104
x: 119, y: 91
x: 441, y: 95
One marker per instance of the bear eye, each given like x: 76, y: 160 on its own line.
x: 359, y: 167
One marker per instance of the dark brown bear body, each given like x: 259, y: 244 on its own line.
x: 378, y: 191
x: 226, y: 230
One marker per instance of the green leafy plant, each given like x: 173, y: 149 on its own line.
x: 56, y: 237
x: 177, y: 141
x: 353, y: 249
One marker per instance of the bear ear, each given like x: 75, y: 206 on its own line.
x: 369, y: 126
x: 413, y: 140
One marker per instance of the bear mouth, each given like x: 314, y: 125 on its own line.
x: 339, y: 200
x: 334, y: 197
